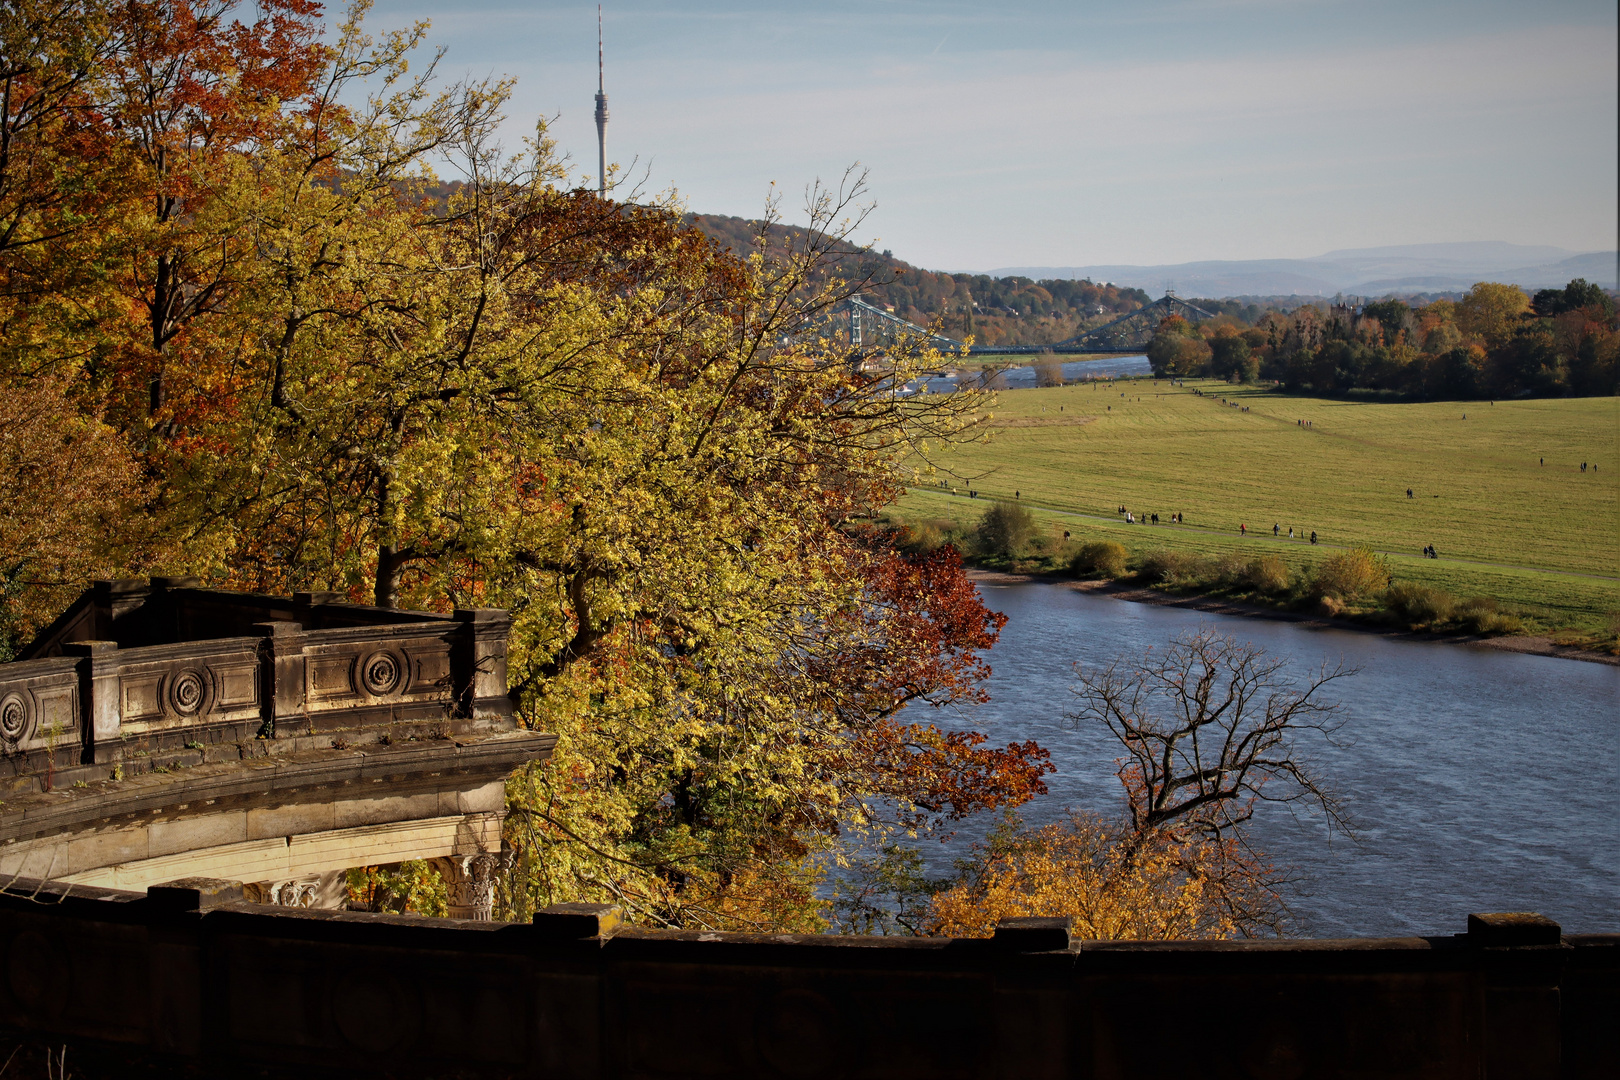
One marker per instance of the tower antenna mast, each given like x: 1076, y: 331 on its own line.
x: 601, y: 113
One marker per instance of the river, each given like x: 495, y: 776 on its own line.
x: 1481, y: 780
x: 1022, y: 376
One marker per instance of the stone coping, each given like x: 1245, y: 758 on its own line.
x: 219, y: 904
x: 190, y: 973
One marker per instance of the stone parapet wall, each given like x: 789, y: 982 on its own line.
x: 138, y: 676
x: 41, y: 720
x: 190, y: 974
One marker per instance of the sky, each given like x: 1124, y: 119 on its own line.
x: 1025, y: 133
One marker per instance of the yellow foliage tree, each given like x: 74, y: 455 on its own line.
x: 1112, y: 882
x: 337, y: 372
x: 1490, y: 312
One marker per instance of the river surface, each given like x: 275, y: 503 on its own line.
x: 1022, y: 377
x: 1480, y: 780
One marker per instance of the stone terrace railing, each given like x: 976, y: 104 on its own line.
x: 139, y: 676
x: 188, y: 974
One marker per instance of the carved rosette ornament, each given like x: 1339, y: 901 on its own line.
x: 381, y: 673
x: 16, y: 717
x: 470, y: 882
x: 188, y: 692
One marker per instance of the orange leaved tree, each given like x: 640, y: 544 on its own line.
x: 1212, y: 729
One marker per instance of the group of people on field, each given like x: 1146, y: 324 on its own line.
x: 1149, y: 518
x: 1276, y: 531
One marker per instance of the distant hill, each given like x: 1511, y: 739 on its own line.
x: 1406, y: 268
x: 995, y: 310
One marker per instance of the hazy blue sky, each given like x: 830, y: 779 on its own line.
x: 1029, y: 133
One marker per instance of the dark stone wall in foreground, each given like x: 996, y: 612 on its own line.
x: 190, y: 976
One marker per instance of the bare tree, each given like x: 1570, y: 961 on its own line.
x: 1048, y: 370
x: 1211, y: 728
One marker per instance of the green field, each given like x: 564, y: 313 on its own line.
x: 1546, y: 537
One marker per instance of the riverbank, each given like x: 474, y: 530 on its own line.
x: 1530, y: 644
x: 1501, y: 497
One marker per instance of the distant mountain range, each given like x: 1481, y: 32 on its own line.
x: 1357, y: 271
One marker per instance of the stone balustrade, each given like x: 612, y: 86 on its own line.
x: 135, y: 672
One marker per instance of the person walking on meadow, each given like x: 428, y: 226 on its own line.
x: 1275, y: 529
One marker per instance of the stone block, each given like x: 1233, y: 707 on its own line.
x: 371, y: 845
x: 573, y: 921
x: 489, y: 798
x: 107, y: 847
x: 171, y: 836
x: 193, y: 894
x: 1032, y: 934
x: 291, y: 820
x: 351, y: 813
x: 1513, y: 928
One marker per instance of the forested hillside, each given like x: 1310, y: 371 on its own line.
x: 995, y: 311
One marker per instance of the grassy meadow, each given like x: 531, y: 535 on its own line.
x: 1545, y: 538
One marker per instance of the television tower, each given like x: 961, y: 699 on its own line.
x: 601, y: 113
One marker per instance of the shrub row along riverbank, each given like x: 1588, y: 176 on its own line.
x: 1497, y: 490
x: 1356, y: 584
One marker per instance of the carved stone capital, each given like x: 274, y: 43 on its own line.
x: 470, y: 883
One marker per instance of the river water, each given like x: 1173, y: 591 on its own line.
x: 1022, y: 376
x: 1480, y: 780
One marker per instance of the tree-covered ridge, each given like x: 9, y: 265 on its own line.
x: 1493, y: 342
x: 994, y: 311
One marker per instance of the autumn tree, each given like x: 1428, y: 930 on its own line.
x: 1112, y: 882
x: 70, y: 496
x: 190, y: 89
x: 317, y: 365
x: 1489, y: 312
x: 1578, y: 294
x: 54, y: 165
x: 1211, y: 730
x: 706, y: 549
x: 1231, y: 356
x: 1177, y: 349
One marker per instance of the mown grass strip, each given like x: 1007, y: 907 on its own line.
x: 1480, y: 490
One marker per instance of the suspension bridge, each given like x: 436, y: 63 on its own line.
x: 871, y: 327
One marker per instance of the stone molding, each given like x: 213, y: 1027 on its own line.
x: 272, y: 818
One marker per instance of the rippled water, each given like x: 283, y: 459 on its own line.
x: 1481, y: 780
